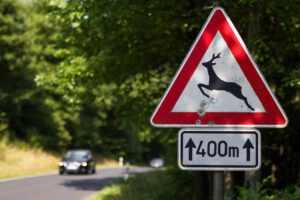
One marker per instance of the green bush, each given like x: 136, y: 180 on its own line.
x: 261, y: 193
x: 151, y: 186
x: 174, y: 185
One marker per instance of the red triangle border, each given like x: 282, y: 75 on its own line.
x: 218, y: 21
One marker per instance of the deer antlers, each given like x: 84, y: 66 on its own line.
x: 214, y: 57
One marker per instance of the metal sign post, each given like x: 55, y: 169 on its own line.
x: 218, y: 185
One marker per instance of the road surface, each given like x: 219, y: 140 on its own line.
x: 61, y: 187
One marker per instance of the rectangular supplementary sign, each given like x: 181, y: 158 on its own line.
x: 219, y: 149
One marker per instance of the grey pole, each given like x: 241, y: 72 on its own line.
x: 216, y: 3
x: 218, y: 185
x: 218, y: 189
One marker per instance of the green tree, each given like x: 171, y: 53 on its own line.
x: 119, y: 56
x: 26, y: 110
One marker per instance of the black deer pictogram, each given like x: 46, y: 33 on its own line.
x: 215, y: 83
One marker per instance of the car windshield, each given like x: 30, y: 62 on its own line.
x: 77, y: 155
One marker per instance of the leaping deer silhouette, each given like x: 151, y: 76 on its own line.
x: 215, y: 83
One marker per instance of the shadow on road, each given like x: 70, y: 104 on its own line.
x: 96, y: 184
x: 90, y: 184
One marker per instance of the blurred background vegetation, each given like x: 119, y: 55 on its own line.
x: 88, y: 73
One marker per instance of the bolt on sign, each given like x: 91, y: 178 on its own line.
x: 218, y: 84
x: 219, y: 149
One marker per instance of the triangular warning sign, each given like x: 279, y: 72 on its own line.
x: 219, y: 84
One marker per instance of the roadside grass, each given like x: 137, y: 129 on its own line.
x: 18, y: 160
x: 106, y: 162
x: 150, y: 186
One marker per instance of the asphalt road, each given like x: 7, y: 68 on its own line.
x: 65, y: 187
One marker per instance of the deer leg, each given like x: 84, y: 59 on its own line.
x: 242, y: 97
x: 247, y: 103
x: 236, y: 90
x: 200, y: 85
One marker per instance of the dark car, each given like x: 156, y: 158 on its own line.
x: 77, y: 161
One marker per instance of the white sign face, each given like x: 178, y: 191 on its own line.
x: 219, y: 149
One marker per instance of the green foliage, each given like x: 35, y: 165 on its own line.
x: 176, y: 185
x: 90, y: 73
x: 27, y: 110
x: 151, y: 186
x: 128, y: 51
x: 261, y: 193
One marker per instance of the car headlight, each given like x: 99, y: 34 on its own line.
x: 84, y: 164
x: 61, y: 164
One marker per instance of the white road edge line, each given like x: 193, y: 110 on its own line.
x: 25, y: 177
x: 37, y: 176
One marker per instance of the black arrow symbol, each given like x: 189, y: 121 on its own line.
x: 248, y: 145
x: 190, y: 145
